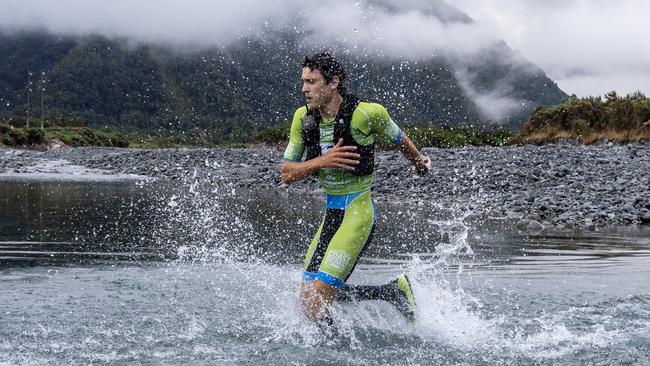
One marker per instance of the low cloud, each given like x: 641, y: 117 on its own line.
x: 409, y: 32
x: 195, y: 22
x: 588, y: 47
x: 494, y: 104
x: 393, y: 28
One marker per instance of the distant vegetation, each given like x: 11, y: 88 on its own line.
x: 108, y: 137
x: 424, y: 136
x: 73, y: 132
x: 71, y: 136
x: 240, y: 89
x: 275, y: 136
x: 613, y: 118
x: 456, y: 137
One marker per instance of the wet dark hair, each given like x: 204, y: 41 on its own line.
x: 328, y: 66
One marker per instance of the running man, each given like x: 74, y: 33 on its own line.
x: 337, y: 132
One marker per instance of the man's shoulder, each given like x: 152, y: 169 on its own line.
x: 300, y: 112
x: 371, y: 110
x: 296, y: 121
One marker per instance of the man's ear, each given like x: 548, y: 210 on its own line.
x: 334, y: 83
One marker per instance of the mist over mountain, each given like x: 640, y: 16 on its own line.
x: 425, y: 61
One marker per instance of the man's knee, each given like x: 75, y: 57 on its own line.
x: 317, y: 297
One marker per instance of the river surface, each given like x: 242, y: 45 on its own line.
x: 128, y: 272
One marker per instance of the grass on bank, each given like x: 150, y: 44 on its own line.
x: 422, y: 136
x: 586, y: 120
x: 591, y: 119
x: 105, y: 137
x: 71, y: 136
x: 276, y: 136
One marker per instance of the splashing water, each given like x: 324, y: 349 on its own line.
x: 449, y: 314
x: 230, y: 295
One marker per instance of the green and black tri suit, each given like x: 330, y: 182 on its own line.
x: 349, y: 219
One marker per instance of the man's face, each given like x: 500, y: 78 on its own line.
x: 316, y: 90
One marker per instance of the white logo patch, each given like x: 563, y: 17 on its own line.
x: 338, y: 259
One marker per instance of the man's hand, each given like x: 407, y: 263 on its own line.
x: 423, y: 165
x: 342, y: 157
x: 339, y: 156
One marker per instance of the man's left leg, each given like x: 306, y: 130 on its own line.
x: 334, y: 252
x: 317, y: 298
x: 332, y: 256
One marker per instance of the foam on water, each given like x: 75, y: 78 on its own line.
x: 63, y: 170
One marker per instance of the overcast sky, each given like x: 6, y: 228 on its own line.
x: 588, y: 46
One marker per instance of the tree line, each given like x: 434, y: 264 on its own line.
x: 237, y: 90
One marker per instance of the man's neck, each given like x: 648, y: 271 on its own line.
x: 330, y: 109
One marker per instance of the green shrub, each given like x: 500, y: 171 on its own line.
x: 592, y: 114
x: 84, y: 136
x: 457, y: 137
x: 17, y: 137
x: 34, y: 136
x: 273, y: 135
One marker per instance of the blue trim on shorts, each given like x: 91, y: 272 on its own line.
x: 308, y: 276
x: 323, y: 277
x: 340, y: 201
x: 329, y: 279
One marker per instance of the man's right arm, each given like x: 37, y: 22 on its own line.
x: 341, y: 157
x: 292, y: 171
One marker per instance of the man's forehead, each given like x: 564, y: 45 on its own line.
x: 309, y: 73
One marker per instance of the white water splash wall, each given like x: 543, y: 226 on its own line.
x: 463, y: 304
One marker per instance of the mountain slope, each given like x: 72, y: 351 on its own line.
x: 254, y: 82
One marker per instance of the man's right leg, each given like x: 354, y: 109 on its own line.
x: 397, y: 292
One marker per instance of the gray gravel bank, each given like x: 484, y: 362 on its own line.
x: 562, y: 185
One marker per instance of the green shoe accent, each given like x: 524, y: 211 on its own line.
x: 405, y: 301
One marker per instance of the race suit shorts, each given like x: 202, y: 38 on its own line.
x: 344, y: 233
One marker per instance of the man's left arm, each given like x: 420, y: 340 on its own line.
x: 421, y: 163
x: 383, y: 125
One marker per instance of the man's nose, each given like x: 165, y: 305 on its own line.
x: 304, y: 88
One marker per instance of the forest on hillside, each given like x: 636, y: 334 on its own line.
x: 239, y: 90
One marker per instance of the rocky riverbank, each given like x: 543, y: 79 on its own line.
x: 562, y: 185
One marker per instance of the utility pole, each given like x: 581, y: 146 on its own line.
x: 29, y: 94
x: 42, y: 103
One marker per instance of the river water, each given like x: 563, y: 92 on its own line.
x: 190, y: 273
